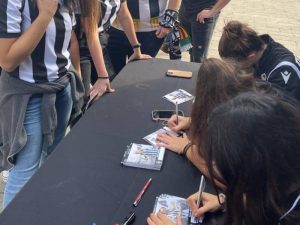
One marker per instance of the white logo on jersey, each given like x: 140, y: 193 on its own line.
x: 286, y: 76
x: 263, y: 76
x: 297, y: 60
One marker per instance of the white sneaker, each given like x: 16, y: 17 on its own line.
x: 5, y: 174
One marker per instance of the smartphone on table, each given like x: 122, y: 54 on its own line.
x: 164, y: 114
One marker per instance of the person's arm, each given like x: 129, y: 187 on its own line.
x: 15, y: 50
x: 173, y: 5
x: 287, y: 76
x: 74, y: 53
x: 102, y: 85
x: 125, y: 19
x: 207, y: 13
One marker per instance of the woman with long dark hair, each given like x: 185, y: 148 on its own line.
x: 251, y: 145
x: 35, y: 84
x: 217, y: 82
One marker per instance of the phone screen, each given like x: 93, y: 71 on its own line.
x: 164, y: 114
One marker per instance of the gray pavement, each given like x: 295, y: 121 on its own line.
x: 278, y: 18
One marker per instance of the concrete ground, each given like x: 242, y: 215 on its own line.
x: 278, y: 18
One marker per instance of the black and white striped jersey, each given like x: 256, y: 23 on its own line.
x: 51, y: 57
x: 280, y: 66
x: 109, y: 10
x: 145, y: 14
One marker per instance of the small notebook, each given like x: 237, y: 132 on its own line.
x: 179, y: 96
x: 171, y: 205
x: 151, y: 138
x: 143, y: 156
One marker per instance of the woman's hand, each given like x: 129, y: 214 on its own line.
x: 161, y: 32
x: 204, y: 14
x: 162, y: 219
x: 210, y: 203
x: 138, y: 56
x: 172, y: 142
x: 47, y: 7
x: 183, y: 123
x: 100, y: 87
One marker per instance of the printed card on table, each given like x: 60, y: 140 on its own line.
x: 172, y: 205
x: 151, y: 138
x: 143, y: 156
x: 179, y: 96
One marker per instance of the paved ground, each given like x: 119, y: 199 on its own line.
x: 278, y: 18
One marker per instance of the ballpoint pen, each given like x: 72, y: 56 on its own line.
x: 139, y: 197
x: 176, y: 109
x: 201, y: 189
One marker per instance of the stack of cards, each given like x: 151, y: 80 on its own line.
x: 143, y: 156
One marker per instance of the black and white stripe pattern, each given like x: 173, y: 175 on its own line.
x: 109, y: 10
x: 51, y: 57
x: 146, y: 14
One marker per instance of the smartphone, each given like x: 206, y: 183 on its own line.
x: 179, y: 73
x: 164, y: 114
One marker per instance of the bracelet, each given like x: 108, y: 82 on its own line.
x: 103, y: 78
x: 186, y: 148
x: 138, y: 45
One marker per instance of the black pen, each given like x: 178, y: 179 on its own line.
x: 129, y: 220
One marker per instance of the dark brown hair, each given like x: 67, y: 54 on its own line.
x: 253, y: 140
x: 90, y: 11
x: 238, y: 40
x: 217, y: 82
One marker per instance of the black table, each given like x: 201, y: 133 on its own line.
x: 83, y: 182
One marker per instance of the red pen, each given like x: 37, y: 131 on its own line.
x: 139, y: 197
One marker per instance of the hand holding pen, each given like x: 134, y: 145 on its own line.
x: 209, y: 203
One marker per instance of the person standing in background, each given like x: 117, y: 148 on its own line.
x: 198, y: 18
x: 153, y: 20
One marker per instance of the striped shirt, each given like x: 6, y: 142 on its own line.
x: 109, y: 11
x: 51, y: 58
x: 145, y: 14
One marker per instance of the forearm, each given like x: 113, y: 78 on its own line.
x: 16, y: 52
x: 219, y: 6
x: 97, y: 54
x: 174, y: 5
x: 193, y: 155
x: 75, y: 55
x: 126, y: 22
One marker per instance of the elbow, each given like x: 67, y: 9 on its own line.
x: 9, y: 67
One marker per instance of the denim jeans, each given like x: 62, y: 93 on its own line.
x: 200, y: 34
x: 119, y: 48
x: 28, y: 160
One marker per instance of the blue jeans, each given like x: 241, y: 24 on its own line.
x: 119, y: 48
x: 28, y: 160
x: 200, y: 34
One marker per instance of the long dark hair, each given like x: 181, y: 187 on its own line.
x: 253, y: 142
x: 91, y: 10
x: 238, y: 40
x: 217, y: 82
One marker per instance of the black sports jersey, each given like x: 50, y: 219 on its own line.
x: 280, y: 66
x: 193, y: 7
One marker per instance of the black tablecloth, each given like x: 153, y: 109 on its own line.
x: 83, y: 182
